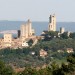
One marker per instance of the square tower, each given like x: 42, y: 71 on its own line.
x: 7, y: 39
x: 52, y: 23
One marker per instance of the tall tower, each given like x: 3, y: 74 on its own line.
x: 26, y: 30
x: 52, y: 23
x: 29, y: 27
x: 22, y: 32
x: 62, y: 30
x: 19, y: 32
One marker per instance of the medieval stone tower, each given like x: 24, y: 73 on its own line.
x: 52, y: 23
x: 26, y: 30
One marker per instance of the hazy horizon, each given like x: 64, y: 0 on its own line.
x: 34, y: 21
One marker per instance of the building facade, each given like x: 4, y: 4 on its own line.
x: 7, y: 39
x: 43, y: 53
x: 26, y: 30
x: 52, y: 23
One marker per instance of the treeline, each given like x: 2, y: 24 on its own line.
x: 51, y: 34
x: 57, y: 44
x: 54, y: 40
x: 52, y: 69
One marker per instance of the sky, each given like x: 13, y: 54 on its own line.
x: 37, y: 10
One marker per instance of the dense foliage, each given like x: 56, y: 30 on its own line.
x: 5, y: 70
x: 52, y: 69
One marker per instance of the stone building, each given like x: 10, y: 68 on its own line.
x: 62, y: 30
x: 70, y: 50
x: 18, y: 33
x: 43, y: 53
x: 52, y: 23
x: 7, y: 39
x: 26, y: 30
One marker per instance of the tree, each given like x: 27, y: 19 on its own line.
x: 5, y: 70
x: 72, y: 35
x: 30, y: 42
x: 64, y: 35
x: 71, y: 62
x: 50, y: 35
x: 29, y: 71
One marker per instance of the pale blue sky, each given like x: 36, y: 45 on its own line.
x: 37, y: 10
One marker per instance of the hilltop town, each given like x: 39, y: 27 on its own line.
x: 29, y: 50
x: 26, y: 33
